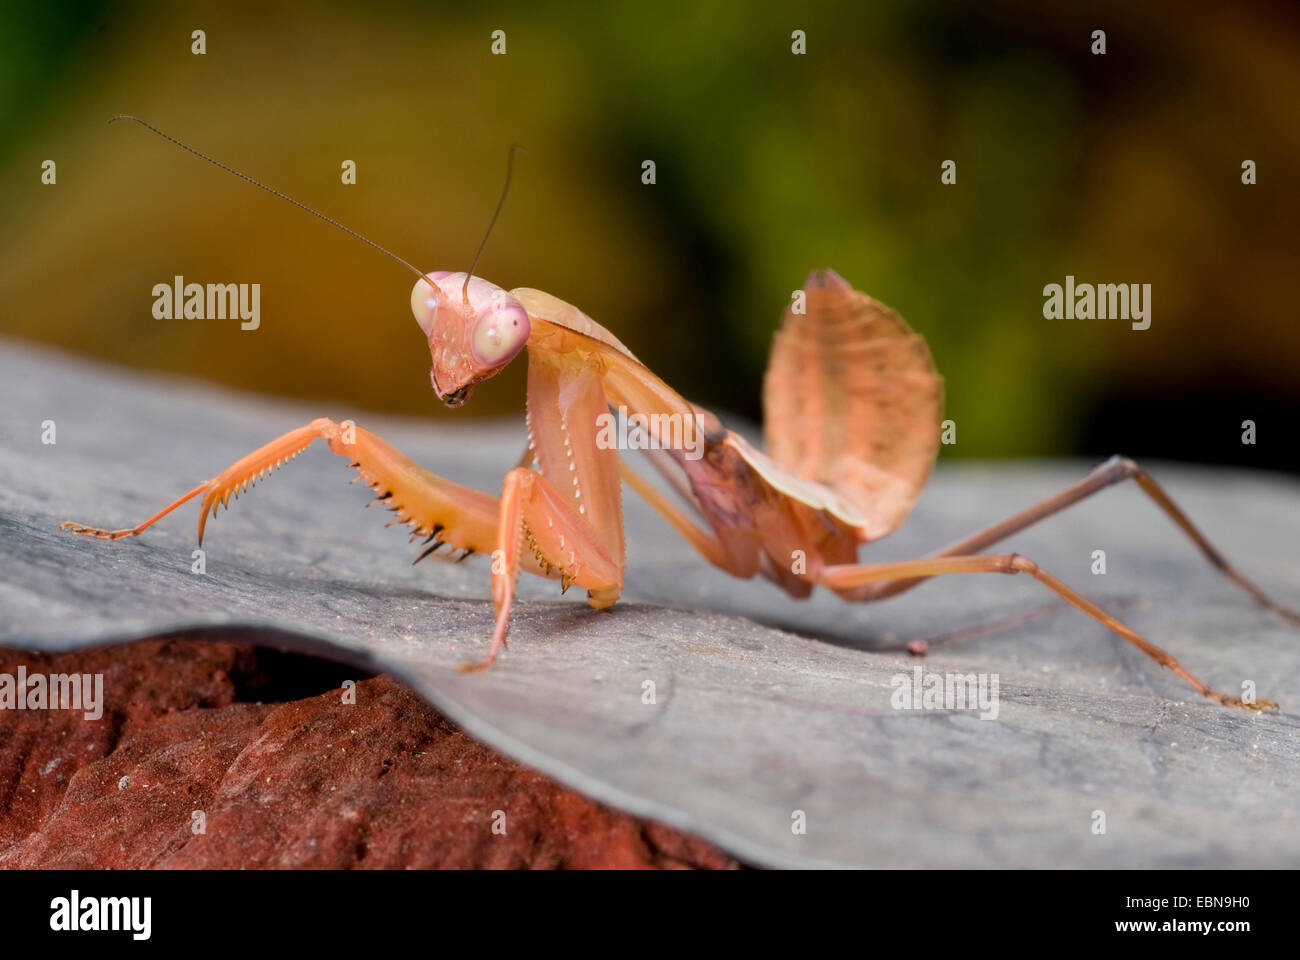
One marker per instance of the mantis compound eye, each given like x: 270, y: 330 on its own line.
x: 500, y: 333
x: 425, y: 299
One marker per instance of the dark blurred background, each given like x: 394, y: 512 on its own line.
x: 1122, y: 168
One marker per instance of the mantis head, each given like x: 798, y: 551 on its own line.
x: 473, y: 330
x: 474, y: 327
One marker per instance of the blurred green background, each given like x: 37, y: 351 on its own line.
x: 1117, y: 168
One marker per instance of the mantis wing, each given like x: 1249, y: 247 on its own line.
x: 852, y: 401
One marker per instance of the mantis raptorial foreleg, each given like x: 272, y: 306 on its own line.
x: 538, y: 521
x: 571, y: 526
x: 852, y: 575
x: 444, y: 512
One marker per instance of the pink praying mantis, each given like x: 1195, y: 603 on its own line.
x: 852, y: 408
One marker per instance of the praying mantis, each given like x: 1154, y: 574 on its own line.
x: 852, y: 414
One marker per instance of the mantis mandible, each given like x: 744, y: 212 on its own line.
x: 852, y: 409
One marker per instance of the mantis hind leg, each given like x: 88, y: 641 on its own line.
x: 1115, y: 470
x: 444, y: 512
x: 847, y: 576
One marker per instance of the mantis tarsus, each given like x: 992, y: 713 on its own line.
x: 852, y: 405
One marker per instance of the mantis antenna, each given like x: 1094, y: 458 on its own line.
x: 510, y: 168
x: 276, y: 193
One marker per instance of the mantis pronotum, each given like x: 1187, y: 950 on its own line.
x: 852, y: 405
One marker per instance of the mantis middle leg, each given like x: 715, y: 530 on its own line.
x: 446, y: 513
